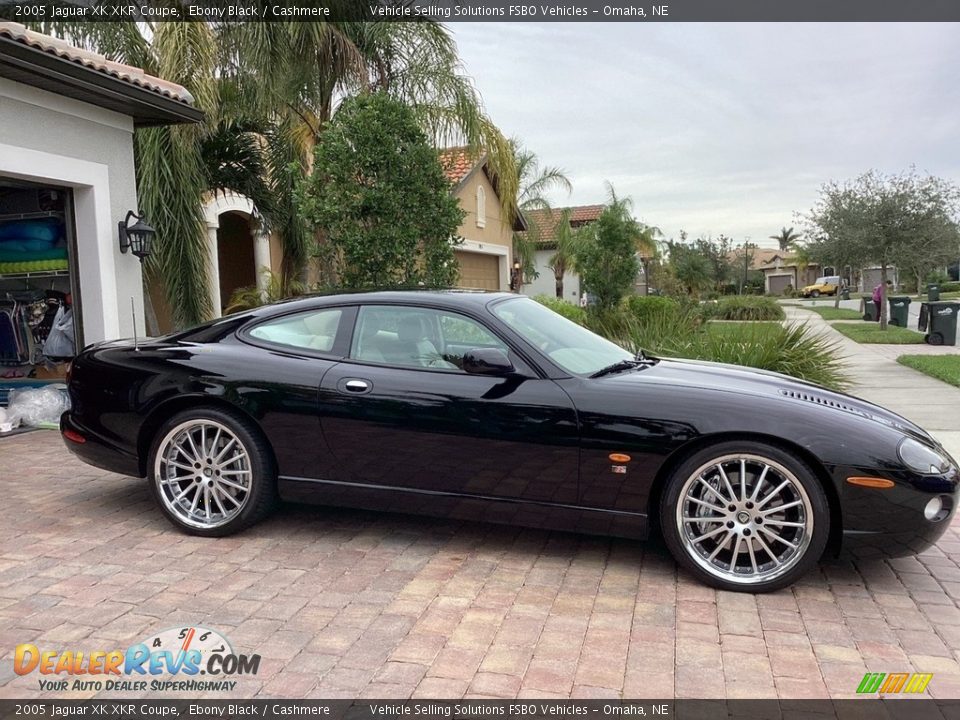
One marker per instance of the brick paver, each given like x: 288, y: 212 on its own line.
x: 345, y: 604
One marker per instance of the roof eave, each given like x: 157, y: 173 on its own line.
x: 32, y: 66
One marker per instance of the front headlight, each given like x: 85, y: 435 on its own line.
x: 922, y: 459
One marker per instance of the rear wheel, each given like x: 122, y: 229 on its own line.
x: 935, y: 338
x: 745, y: 516
x: 211, y: 472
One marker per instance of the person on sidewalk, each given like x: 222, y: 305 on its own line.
x: 878, y: 295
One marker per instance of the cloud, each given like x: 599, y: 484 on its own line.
x: 720, y: 128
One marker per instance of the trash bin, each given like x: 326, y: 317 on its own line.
x: 933, y: 292
x: 942, y: 320
x: 900, y: 310
x: 868, y: 309
x: 845, y: 294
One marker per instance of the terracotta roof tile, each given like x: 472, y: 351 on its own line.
x: 457, y: 163
x: 95, y: 61
x: 548, y: 220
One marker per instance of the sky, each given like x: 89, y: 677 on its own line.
x: 721, y: 128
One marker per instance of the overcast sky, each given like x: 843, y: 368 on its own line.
x: 721, y: 128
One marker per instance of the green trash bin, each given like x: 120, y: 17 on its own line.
x: 900, y: 310
x: 941, y: 317
x: 933, y: 292
x: 868, y: 309
x: 845, y: 294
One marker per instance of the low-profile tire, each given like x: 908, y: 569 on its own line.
x: 212, y: 472
x: 735, y: 536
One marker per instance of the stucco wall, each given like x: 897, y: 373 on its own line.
x: 495, y: 231
x: 58, y: 129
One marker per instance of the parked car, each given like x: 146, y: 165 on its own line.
x: 489, y: 406
x: 826, y: 285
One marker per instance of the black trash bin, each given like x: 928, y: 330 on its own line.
x: 868, y: 309
x: 941, y: 317
x: 845, y: 294
x: 933, y: 292
x: 900, y: 310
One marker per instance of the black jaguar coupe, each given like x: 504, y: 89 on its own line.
x: 488, y: 406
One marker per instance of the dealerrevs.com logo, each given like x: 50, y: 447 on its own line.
x: 148, y: 665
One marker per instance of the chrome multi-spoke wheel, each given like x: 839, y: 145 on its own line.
x: 212, y: 472
x: 746, y: 519
x: 203, y: 473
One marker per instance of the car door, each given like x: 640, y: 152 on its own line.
x: 401, y: 413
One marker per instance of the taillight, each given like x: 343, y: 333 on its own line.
x: 69, y: 371
x: 74, y: 436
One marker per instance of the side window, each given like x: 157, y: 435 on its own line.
x: 481, y: 207
x: 314, y: 330
x: 417, y: 337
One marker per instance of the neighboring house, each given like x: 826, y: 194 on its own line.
x: 547, y: 222
x: 486, y: 254
x: 67, y: 174
x: 782, y: 271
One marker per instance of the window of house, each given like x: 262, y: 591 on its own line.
x: 313, y: 330
x: 481, y: 207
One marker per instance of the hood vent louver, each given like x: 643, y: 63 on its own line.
x: 808, y: 397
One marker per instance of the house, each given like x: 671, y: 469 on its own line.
x: 782, y: 270
x: 67, y: 181
x: 547, y: 222
x: 485, y: 254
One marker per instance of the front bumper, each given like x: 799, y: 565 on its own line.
x: 95, y: 450
x: 891, y: 522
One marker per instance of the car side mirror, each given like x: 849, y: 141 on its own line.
x: 487, y: 361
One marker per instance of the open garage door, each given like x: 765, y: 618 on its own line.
x: 479, y: 270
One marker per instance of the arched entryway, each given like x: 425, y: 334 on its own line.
x: 236, y: 264
x: 238, y: 248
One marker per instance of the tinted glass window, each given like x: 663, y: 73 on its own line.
x: 418, y: 337
x: 314, y: 330
x: 570, y: 346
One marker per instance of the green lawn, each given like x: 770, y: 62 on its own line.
x: 871, y: 333
x: 942, y: 367
x: 830, y: 313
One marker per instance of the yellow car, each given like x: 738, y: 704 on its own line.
x: 827, y: 285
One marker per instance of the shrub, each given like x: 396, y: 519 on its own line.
x: 753, y: 307
x: 562, y: 307
x: 950, y: 287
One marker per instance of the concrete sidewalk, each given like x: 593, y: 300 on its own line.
x: 932, y: 404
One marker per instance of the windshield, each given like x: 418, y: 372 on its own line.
x: 572, y: 347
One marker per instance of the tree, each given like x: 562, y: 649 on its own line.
x: 690, y: 268
x: 281, y: 82
x: 535, y: 182
x: 569, y: 243
x: 786, y: 239
x: 903, y: 221
x: 607, y: 261
x: 379, y: 196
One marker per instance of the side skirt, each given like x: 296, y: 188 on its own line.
x: 475, y: 508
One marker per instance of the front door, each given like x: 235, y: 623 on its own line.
x: 401, y: 413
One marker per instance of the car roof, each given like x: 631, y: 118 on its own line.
x: 448, y: 298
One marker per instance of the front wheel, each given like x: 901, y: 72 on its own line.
x: 815, y: 294
x: 745, y: 516
x: 212, y: 472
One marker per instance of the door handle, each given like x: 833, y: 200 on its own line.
x: 357, y: 386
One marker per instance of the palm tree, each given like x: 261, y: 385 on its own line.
x: 535, y: 182
x: 568, y: 242
x: 786, y: 238
x: 280, y: 82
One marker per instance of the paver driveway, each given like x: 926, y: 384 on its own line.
x: 344, y: 603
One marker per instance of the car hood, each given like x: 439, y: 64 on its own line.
x: 763, y: 383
